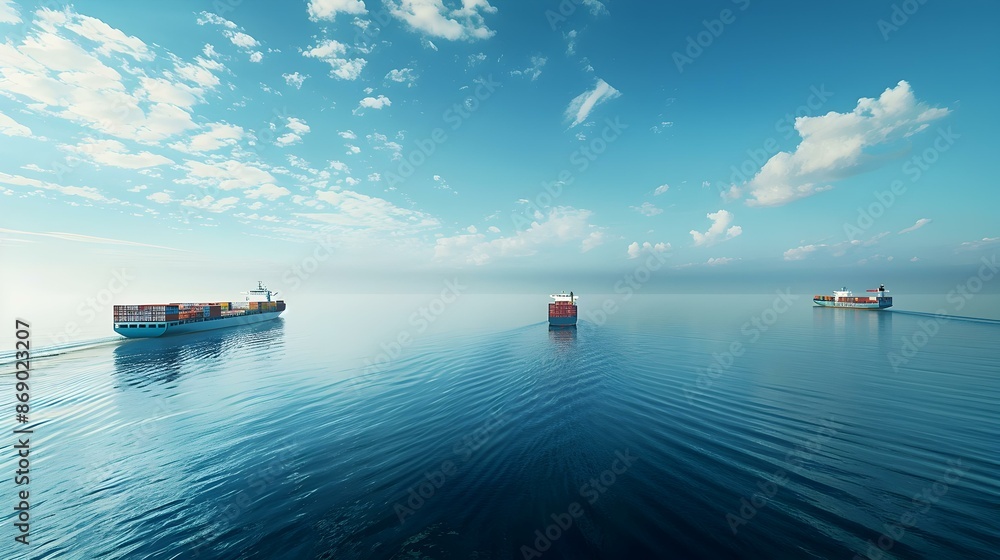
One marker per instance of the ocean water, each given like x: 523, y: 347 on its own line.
x: 407, y: 427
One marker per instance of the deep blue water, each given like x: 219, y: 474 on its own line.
x: 675, y: 427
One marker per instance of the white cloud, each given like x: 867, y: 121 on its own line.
x: 110, y: 39
x: 332, y: 52
x: 373, y: 103
x: 647, y: 209
x: 241, y: 39
x: 207, y: 203
x: 596, y: 7
x: 595, y: 239
x: 920, y: 223
x: 434, y: 19
x: 720, y: 261
x: 8, y: 12
x: 210, y: 204
x: 226, y: 175
x: 374, y: 177
x: 973, y: 245
x: 161, y: 90
x: 800, y: 253
x: 352, y: 181
x: 10, y: 127
x: 570, y: 41
x: 217, y: 136
x: 658, y: 128
x: 294, y: 79
x: 206, y: 18
x: 581, y: 106
x: 493, y: 229
x: 57, y: 77
x: 328, y: 9
x: 562, y: 225
x: 160, y: 198
x: 402, y: 75
x: 348, y: 135
x: 635, y: 249
x: 471, y: 229
x: 833, y: 146
x: 352, y: 210
x: 297, y: 129
x: 80, y: 238
x: 297, y: 125
x: 89, y: 193
x: 661, y: 189
x: 720, y: 229
x: 113, y: 153
x: 534, y: 70
x: 267, y: 191
x: 197, y: 73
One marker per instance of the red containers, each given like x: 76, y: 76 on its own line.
x: 562, y: 309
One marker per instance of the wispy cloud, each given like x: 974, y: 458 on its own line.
x: 236, y: 35
x: 89, y: 193
x: 581, y: 105
x: 80, y: 238
x: 561, y: 226
x: 920, y: 223
x: 8, y: 13
x: 973, y: 245
x: 113, y: 153
x: 647, y: 209
x: 10, y: 127
x: 534, y: 70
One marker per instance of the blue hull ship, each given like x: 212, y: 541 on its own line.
x: 844, y: 298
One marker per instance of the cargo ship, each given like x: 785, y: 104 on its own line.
x: 152, y: 320
x: 562, y: 310
x: 844, y: 298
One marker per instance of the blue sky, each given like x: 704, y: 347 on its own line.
x: 423, y: 138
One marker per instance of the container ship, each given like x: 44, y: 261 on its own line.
x: 562, y: 310
x: 152, y: 320
x: 844, y: 298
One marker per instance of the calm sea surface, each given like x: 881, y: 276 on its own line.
x: 664, y: 427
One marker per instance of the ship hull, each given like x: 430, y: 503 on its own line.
x: 154, y: 329
x: 562, y: 321
x: 854, y: 305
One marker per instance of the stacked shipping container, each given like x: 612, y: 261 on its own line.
x: 562, y: 309
x: 185, y: 311
x: 145, y: 313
